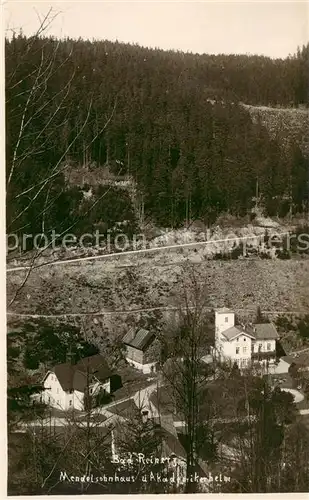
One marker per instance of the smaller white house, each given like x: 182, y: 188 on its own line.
x: 67, y: 384
x: 243, y: 344
x: 265, y: 338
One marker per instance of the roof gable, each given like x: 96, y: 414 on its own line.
x: 140, y: 339
x: 265, y: 331
x: 76, y: 377
x: 224, y: 310
x: 234, y: 332
x: 50, y: 372
x: 64, y: 373
x: 259, y: 331
x: 96, y: 365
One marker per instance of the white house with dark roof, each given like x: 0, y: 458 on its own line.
x: 243, y: 344
x: 66, y: 384
x: 265, y: 337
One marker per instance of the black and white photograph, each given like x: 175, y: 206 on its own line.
x: 157, y: 247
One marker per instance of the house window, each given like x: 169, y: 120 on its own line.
x: 244, y: 350
x: 260, y: 347
x: 245, y: 339
x: 237, y: 350
x: 49, y: 399
x: 90, y: 391
x: 70, y: 402
x: 268, y: 346
x: 226, y: 319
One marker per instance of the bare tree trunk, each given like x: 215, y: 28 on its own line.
x: 183, y: 371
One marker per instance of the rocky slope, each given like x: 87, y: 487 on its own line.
x: 289, y: 125
x: 107, y: 295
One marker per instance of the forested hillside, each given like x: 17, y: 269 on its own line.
x: 172, y: 121
x: 287, y: 125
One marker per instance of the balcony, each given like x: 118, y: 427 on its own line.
x: 263, y: 355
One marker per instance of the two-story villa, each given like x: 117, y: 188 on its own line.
x: 243, y: 344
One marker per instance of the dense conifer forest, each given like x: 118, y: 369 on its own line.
x: 105, y: 135
x: 173, y: 122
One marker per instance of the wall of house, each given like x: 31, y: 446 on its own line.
x: 100, y: 386
x: 134, y: 354
x: 144, y: 367
x: 242, y: 344
x: 264, y: 345
x: 54, y: 395
x: 75, y: 400
x: 223, y: 321
x: 78, y: 400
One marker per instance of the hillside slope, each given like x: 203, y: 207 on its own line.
x: 126, y: 284
x: 287, y: 125
x: 171, y: 121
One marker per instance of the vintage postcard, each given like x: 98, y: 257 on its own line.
x: 157, y: 247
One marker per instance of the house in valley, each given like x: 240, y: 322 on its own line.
x: 244, y: 344
x: 68, y: 385
x: 264, y: 345
x: 142, y: 349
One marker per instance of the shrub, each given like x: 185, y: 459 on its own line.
x: 265, y: 255
x: 284, y: 323
x: 303, y: 327
x: 283, y: 254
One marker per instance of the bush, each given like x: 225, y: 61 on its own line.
x: 31, y: 362
x: 283, y: 254
x: 265, y: 255
x: 237, y: 252
x: 102, y: 398
x: 284, y: 323
x: 303, y: 327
